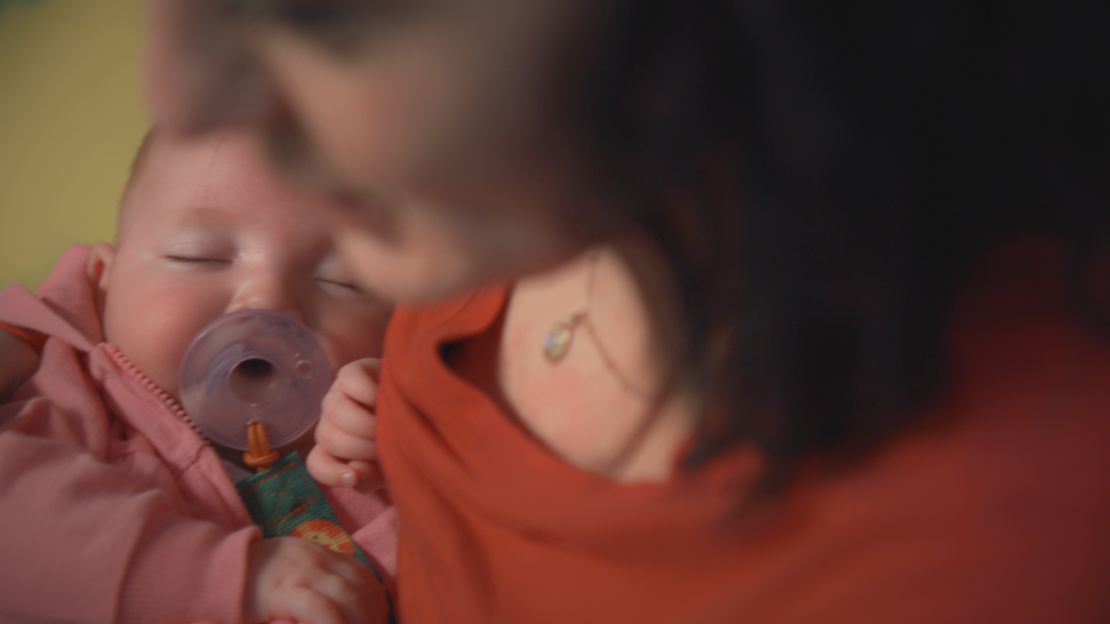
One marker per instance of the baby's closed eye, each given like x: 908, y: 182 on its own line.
x: 338, y: 287
x: 199, y: 250
x: 334, y: 279
x: 195, y: 259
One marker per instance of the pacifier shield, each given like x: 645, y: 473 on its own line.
x: 254, y: 365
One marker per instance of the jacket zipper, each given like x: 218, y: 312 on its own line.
x: 165, y: 397
x: 174, y: 406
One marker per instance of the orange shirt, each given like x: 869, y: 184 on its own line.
x: 997, y: 509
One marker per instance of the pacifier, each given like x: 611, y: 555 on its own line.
x: 254, y: 366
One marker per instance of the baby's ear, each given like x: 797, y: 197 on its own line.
x: 98, y: 268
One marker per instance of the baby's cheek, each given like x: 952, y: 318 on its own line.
x: 149, y: 345
x: 154, y: 331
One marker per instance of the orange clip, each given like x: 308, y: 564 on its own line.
x: 259, y: 455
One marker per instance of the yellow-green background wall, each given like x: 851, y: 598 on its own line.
x: 70, y: 118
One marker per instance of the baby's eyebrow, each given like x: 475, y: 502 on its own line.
x: 189, y: 236
x: 203, y: 215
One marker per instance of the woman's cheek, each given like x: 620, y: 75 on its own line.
x: 350, y: 335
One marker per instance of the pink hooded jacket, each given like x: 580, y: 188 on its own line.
x: 112, y: 507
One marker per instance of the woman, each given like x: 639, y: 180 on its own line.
x: 840, y: 356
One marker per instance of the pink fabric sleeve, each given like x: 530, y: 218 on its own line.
x: 64, y: 313
x: 84, y: 541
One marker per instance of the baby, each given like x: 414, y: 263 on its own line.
x: 112, y: 507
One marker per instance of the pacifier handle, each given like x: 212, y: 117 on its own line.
x: 259, y: 455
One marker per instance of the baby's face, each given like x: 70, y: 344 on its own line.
x: 206, y: 230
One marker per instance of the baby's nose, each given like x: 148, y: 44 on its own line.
x: 267, y: 293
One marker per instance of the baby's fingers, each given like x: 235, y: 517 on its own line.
x: 306, y: 605
x: 293, y: 577
x: 342, y: 443
x: 359, y: 380
x: 350, y: 588
x: 332, y: 600
x: 344, y: 413
x: 330, y: 470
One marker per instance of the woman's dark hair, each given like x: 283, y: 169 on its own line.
x: 839, y: 166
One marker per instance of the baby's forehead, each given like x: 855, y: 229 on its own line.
x: 162, y: 153
x: 227, y: 170
x: 221, y: 188
x: 197, y: 158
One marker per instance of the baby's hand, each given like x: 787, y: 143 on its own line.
x: 346, y: 446
x: 294, y: 578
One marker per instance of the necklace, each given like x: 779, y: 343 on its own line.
x: 560, y: 337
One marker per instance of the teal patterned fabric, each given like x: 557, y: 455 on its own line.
x: 284, y: 500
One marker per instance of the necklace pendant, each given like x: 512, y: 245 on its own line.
x: 557, y: 342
